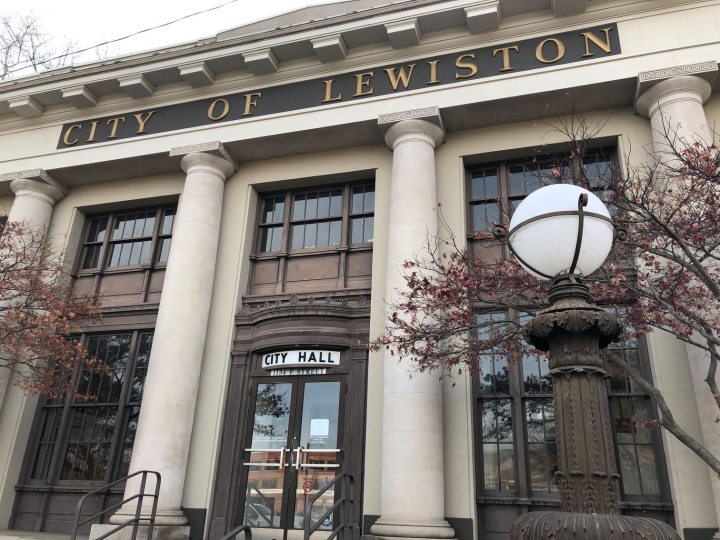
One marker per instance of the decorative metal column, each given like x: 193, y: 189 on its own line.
x: 574, y: 330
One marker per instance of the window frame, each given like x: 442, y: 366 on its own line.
x: 518, y: 396
x: 156, y: 238
x: 52, y: 475
x: 288, y: 220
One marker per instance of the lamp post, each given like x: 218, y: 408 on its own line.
x: 562, y: 233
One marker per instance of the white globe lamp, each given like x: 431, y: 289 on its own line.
x: 561, y: 230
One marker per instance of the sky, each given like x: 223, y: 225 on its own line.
x: 87, y: 23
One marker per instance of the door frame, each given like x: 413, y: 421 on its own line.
x: 338, y: 322
x: 295, y: 419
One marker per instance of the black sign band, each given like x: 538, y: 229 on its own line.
x: 529, y: 54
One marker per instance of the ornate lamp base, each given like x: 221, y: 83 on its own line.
x: 576, y: 526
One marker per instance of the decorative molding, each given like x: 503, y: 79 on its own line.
x: 197, y: 75
x: 258, y: 305
x: 26, y: 106
x: 330, y: 49
x: 648, y: 79
x: 403, y: 34
x: 561, y: 8
x: 136, y: 86
x: 429, y: 114
x: 37, y: 180
x: 573, y: 525
x: 483, y: 17
x: 80, y: 97
x: 215, y: 148
x: 261, y: 62
x: 676, y: 71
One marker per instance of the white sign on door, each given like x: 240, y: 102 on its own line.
x: 301, y: 358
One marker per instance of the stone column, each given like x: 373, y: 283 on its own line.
x: 674, y: 106
x: 162, y: 440
x: 36, y: 193
x: 412, y: 456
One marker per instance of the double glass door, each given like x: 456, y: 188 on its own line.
x: 293, y: 450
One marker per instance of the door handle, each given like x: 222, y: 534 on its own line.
x: 298, y: 457
x: 282, y: 458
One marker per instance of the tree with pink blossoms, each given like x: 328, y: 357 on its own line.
x: 663, y: 274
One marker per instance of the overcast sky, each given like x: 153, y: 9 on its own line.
x: 89, y: 22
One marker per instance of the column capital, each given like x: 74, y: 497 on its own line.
x: 211, y: 156
x: 38, y: 183
x: 419, y: 124
x: 690, y: 82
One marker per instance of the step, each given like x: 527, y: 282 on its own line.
x: 28, y: 535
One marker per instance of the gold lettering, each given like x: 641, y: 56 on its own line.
x: 328, y: 92
x: 604, y: 45
x: 363, y: 80
x: 396, y: 77
x: 93, y: 128
x: 433, y: 72
x: 506, y: 56
x: 470, y: 66
x: 142, y: 120
x: 223, y: 113
x: 68, y: 131
x: 114, y: 128
x: 250, y: 102
x: 540, y: 51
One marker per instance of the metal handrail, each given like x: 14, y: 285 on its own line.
x: 346, y: 500
x: 265, y: 499
x: 238, y: 530
x: 135, y: 522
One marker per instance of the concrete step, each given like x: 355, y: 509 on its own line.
x: 29, y: 535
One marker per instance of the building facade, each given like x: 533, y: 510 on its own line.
x: 243, y: 205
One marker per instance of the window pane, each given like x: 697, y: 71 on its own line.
x: 357, y: 200
x: 335, y: 233
x: 629, y: 470
x: 299, y: 206
x: 535, y: 374
x: 270, y: 239
x: 310, y: 234
x: 648, y: 470
x: 124, y: 254
x: 369, y: 204
x: 149, y: 226
x: 311, y: 206
x: 368, y: 230
x: 357, y: 230
x: 91, y: 257
x: 323, y: 232
x: 485, y: 216
x: 336, y: 203
x: 323, y: 204
x: 168, y: 220
x: 484, y: 185
x: 298, y: 236
x: 164, y: 250
x: 490, y: 466
x: 136, y: 252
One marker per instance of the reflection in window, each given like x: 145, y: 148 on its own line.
x: 504, y: 388
x: 128, y: 239
x: 317, y: 219
x: 97, y: 436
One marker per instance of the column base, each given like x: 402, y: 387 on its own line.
x: 399, y: 527
x: 160, y: 532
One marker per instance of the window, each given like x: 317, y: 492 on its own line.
x: 91, y: 440
x: 138, y: 238
x: 495, y: 191
x: 515, y: 411
x: 515, y: 405
x: 317, y: 219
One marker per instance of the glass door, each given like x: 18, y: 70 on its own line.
x: 294, y: 450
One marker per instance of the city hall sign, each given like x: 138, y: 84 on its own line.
x: 525, y: 55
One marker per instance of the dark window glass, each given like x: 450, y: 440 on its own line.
x: 494, y: 192
x: 131, y: 241
x: 315, y: 218
x: 503, y: 387
x: 99, y: 430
